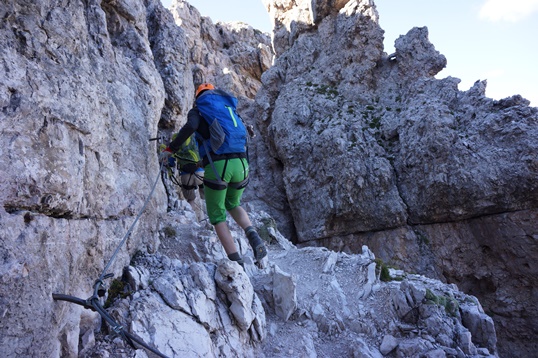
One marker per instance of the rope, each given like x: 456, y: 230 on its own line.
x: 132, y: 225
x: 93, y: 304
x: 173, y: 179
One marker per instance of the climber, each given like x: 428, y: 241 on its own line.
x: 190, y: 172
x: 225, y: 162
x: 191, y: 175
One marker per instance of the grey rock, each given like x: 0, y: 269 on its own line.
x: 163, y: 327
x: 330, y: 262
x: 436, y: 353
x: 412, y: 347
x: 421, y: 173
x: 284, y: 293
x: 78, y: 82
x: 173, y: 293
x: 466, y: 342
x: 137, y: 277
x: 231, y: 278
x: 397, y: 158
x: 388, y: 344
x: 327, y: 315
x: 83, y: 87
x: 479, y: 324
x: 361, y: 349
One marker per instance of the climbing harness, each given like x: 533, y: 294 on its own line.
x: 176, y: 181
x: 220, y: 184
x: 190, y: 169
x: 99, y: 289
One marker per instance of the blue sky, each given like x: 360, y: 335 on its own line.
x: 481, y: 39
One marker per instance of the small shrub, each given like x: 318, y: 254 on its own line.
x: 375, y: 123
x: 450, y: 304
x: 118, y: 289
x: 264, y: 230
x: 382, y: 270
x: 422, y: 238
x: 169, y: 232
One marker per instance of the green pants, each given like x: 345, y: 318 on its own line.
x: 220, y: 201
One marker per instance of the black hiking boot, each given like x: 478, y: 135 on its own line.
x: 237, y: 258
x: 256, y: 242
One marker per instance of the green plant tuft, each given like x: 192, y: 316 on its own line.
x: 169, y: 231
x: 118, y: 289
x: 375, y: 123
x: 422, y: 238
x: 450, y: 304
x: 264, y: 229
x: 382, y: 270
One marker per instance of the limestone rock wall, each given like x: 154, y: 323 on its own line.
x: 232, y: 56
x: 315, y: 92
x: 393, y: 158
x: 83, y: 87
x: 80, y: 96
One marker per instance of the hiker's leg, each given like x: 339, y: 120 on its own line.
x: 188, y: 186
x: 216, y: 210
x: 188, y: 194
x: 241, y: 217
x: 225, y: 237
x: 238, y: 169
x: 214, y: 200
x: 200, y: 182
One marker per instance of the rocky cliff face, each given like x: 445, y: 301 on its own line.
x: 80, y: 97
x: 231, y: 56
x: 431, y: 178
x: 84, y: 86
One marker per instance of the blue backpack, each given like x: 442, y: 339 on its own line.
x: 227, y: 131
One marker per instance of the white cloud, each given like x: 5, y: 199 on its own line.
x: 511, y: 11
